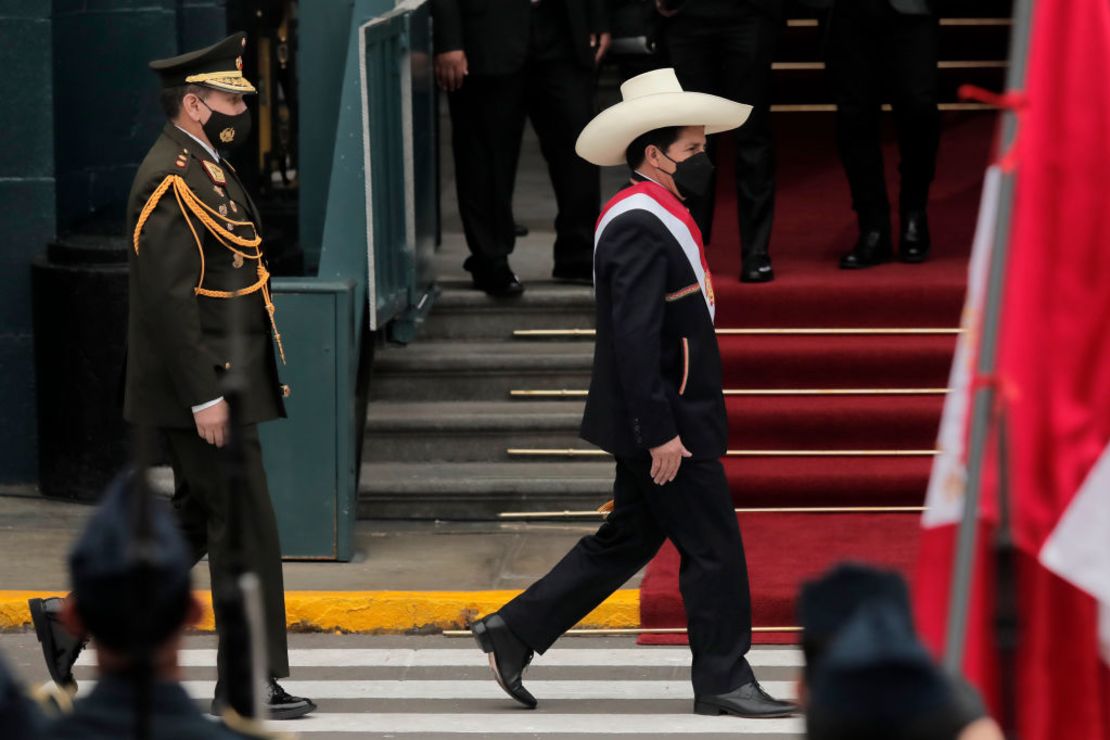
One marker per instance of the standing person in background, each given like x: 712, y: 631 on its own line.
x: 502, y: 61
x: 725, y: 47
x: 878, y: 47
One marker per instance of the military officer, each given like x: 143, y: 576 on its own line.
x: 196, y: 264
x: 108, y: 579
x: 655, y: 403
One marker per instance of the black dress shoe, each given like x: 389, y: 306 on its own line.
x: 519, y: 229
x: 579, y: 275
x: 750, y: 700
x: 508, y: 656
x: 872, y: 248
x: 497, y: 280
x: 280, y: 704
x: 757, y: 269
x: 59, y: 647
x: 915, y: 243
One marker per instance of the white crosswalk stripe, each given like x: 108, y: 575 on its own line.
x: 423, y: 687
x: 467, y: 656
x: 479, y: 689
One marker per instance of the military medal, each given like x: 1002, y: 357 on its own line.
x: 223, y: 209
x: 237, y: 261
x: 215, y: 174
x: 234, y: 209
x: 219, y: 191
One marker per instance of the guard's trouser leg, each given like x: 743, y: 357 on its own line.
x: 203, y: 502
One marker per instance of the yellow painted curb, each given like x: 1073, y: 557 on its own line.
x: 383, y: 612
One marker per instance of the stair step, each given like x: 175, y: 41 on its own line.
x: 466, y: 430
x: 470, y: 371
x: 480, y: 490
x: 462, y: 313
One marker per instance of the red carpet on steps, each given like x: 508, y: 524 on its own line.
x: 814, y: 224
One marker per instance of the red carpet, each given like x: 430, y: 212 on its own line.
x: 814, y: 225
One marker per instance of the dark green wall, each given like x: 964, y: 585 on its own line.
x: 27, y: 196
x: 78, y: 111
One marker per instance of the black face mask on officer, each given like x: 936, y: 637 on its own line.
x: 226, y: 131
x: 693, y: 175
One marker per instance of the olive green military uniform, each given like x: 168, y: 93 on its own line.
x: 196, y: 266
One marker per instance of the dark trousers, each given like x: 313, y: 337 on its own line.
x: 874, y: 51
x: 732, y: 58
x: 487, y: 120
x: 202, y: 500
x: 695, y: 511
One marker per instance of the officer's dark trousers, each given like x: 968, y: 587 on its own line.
x: 487, y: 121
x: 203, y: 502
x: 695, y: 511
x: 733, y: 59
x: 874, y: 51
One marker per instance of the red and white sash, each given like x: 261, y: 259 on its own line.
x: 661, y: 203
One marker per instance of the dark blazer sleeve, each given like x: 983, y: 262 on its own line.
x: 447, y: 26
x: 633, y: 263
x: 167, y: 268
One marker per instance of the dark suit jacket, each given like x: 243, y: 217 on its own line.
x: 657, y: 370
x: 494, y: 33
x: 179, y: 343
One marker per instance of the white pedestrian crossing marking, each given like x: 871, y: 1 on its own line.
x: 537, y: 723
x: 479, y: 689
x: 463, y: 657
x: 426, y: 692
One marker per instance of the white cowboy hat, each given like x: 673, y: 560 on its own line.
x: 650, y: 101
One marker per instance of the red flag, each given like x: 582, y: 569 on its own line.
x: 1054, y: 380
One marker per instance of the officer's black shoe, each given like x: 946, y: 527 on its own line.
x: 578, y: 275
x: 520, y: 230
x: 280, y: 704
x: 497, y: 280
x: 757, y: 269
x: 59, y: 647
x: 915, y: 243
x: 508, y: 656
x: 873, y: 248
x: 750, y: 700
x: 285, y: 706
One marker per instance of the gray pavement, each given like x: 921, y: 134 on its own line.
x: 35, y: 534
x: 429, y: 687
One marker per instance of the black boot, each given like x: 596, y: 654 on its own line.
x: 756, y: 268
x: 915, y: 243
x: 279, y: 703
x: 59, y: 647
x: 508, y: 656
x: 750, y: 700
x: 872, y: 248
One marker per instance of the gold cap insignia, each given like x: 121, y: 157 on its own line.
x: 214, y: 172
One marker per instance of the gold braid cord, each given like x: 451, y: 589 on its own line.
x: 248, y: 249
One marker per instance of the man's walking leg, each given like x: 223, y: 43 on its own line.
x: 595, y: 567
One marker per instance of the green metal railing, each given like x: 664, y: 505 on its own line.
x: 377, y: 240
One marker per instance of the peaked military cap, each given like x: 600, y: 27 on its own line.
x: 110, y: 587
x: 219, y: 67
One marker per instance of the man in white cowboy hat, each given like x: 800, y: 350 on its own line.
x: 655, y: 403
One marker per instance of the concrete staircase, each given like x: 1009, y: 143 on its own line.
x: 445, y: 411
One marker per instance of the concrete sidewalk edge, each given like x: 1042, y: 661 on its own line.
x: 371, y: 612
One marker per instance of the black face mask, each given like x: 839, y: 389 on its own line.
x: 227, y: 132
x: 693, y: 175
